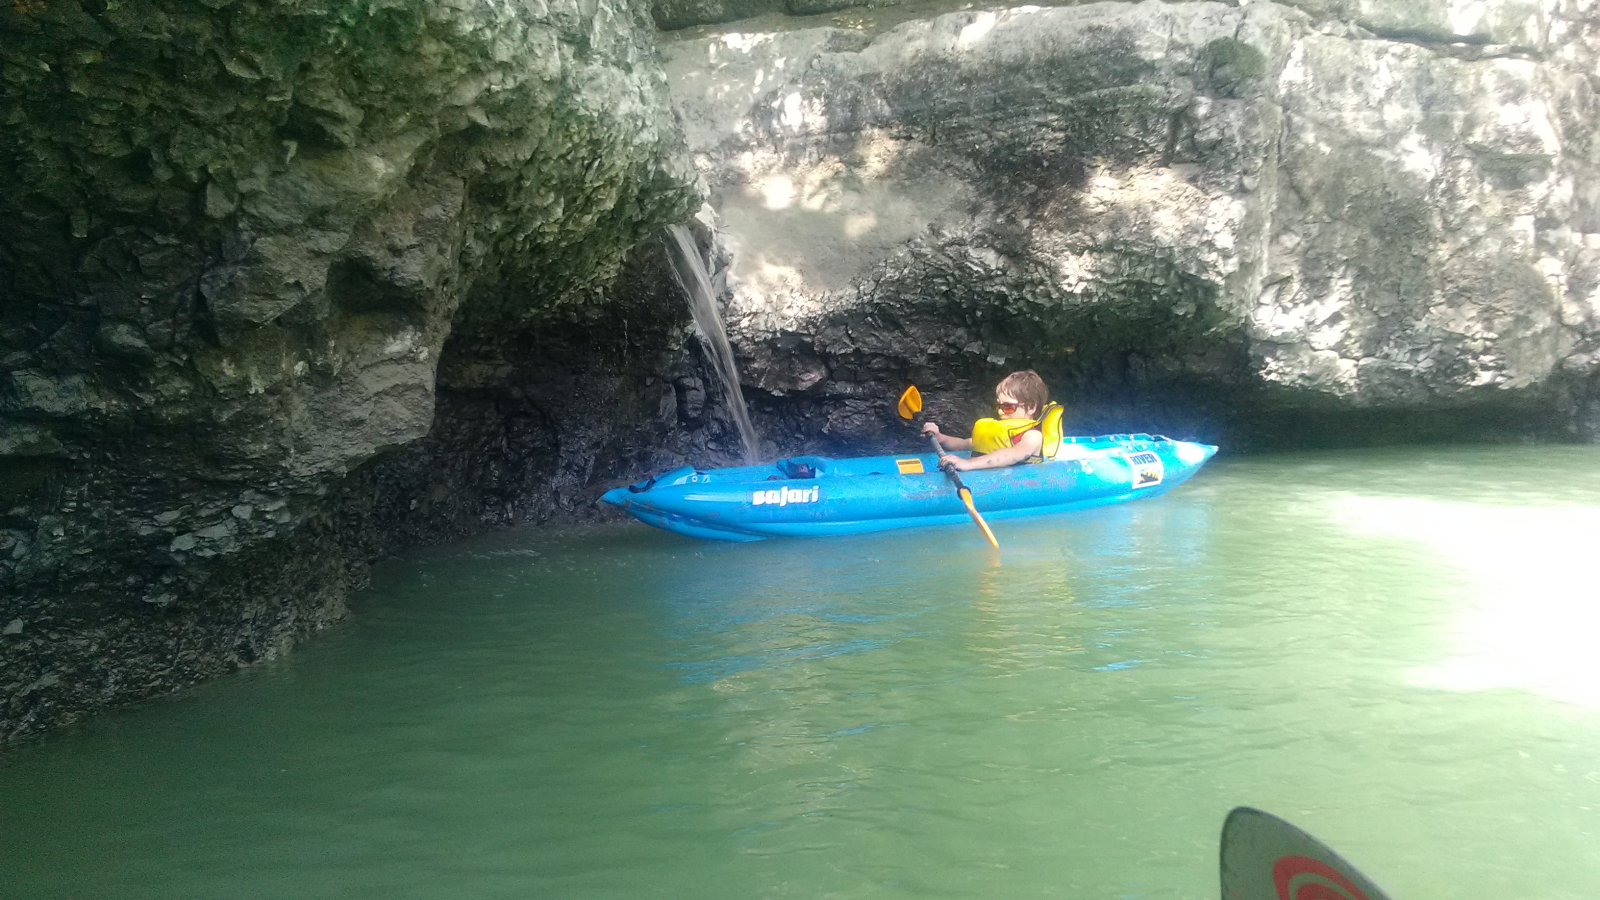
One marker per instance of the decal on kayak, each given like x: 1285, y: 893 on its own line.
x: 909, y: 466
x: 785, y: 495
x: 1147, y: 468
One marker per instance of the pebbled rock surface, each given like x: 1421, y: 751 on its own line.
x: 235, y: 240
x: 1249, y: 223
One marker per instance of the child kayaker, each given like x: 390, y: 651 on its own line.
x: 1013, y: 438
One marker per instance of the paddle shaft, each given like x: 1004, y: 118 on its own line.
x: 938, y: 451
x: 964, y: 493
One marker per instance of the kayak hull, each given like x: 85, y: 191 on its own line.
x: 813, y: 496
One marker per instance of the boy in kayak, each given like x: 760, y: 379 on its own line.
x: 1013, y: 438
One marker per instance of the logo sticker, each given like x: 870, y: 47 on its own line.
x: 911, y: 466
x: 1147, y: 468
x: 1304, y: 878
x: 785, y: 495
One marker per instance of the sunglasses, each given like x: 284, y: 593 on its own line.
x: 1007, y: 408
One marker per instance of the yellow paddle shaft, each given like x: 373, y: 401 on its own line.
x: 966, y: 497
x: 911, y: 404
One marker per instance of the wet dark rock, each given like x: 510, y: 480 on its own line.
x: 691, y: 399
x: 235, y: 244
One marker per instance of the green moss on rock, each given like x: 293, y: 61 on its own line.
x: 1230, y: 68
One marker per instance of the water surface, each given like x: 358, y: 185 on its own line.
x: 1392, y: 649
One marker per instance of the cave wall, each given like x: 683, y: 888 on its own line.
x: 235, y: 237
x: 532, y: 423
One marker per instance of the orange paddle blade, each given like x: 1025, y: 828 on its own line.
x: 966, y: 497
x: 910, y: 402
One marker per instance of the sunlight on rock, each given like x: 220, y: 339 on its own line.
x: 793, y: 117
x: 1330, y: 325
x: 778, y: 191
x: 1529, y: 615
x: 1467, y: 17
x: 402, y: 343
x: 744, y: 43
x: 1300, y: 365
x: 975, y: 32
x: 820, y: 222
x: 1074, y: 272
x: 1294, y: 72
x: 1524, y: 116
x: 857, y: 225
x: 1415, y: 156
x: 779, y: 279
x: 1385, y: 80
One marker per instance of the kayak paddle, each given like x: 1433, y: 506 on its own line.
x: 1266, y: 858
x: 910, y: 404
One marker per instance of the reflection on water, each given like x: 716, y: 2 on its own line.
x: 1529, y: 609
x: 622, y: 712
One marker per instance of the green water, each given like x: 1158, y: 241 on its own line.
x: 1394, y: 650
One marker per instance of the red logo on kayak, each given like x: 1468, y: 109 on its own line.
x: 1304, y: 878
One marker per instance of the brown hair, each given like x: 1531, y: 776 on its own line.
x: 1027, y: 387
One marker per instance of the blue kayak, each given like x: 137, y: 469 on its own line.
x: 817, y: 495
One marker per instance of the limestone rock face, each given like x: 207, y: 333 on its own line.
x: 284, y: 285
x: 1273, y: 208
x: 233, y: 239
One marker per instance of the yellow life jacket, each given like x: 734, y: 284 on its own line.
x: 1050, y: 427
x: 989, y: 435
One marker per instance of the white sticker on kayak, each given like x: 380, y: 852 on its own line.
x: 1147, y: 468
x: 785, y: 495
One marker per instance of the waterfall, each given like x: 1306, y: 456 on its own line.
x: 690, y: 271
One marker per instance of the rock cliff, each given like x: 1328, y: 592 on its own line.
x: 287, y: 285
x: 1263, y: 223
x: 245, y: 247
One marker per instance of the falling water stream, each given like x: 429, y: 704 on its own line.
x: 692, y: 276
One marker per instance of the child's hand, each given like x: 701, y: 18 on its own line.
x: 954, y: 462
x: 930, y: 428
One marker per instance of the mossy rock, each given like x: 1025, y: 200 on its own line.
x: 1229, y: 68
x: 671, y: 15
x: 812, y: 7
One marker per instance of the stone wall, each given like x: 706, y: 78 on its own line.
x: 1253, y: 224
